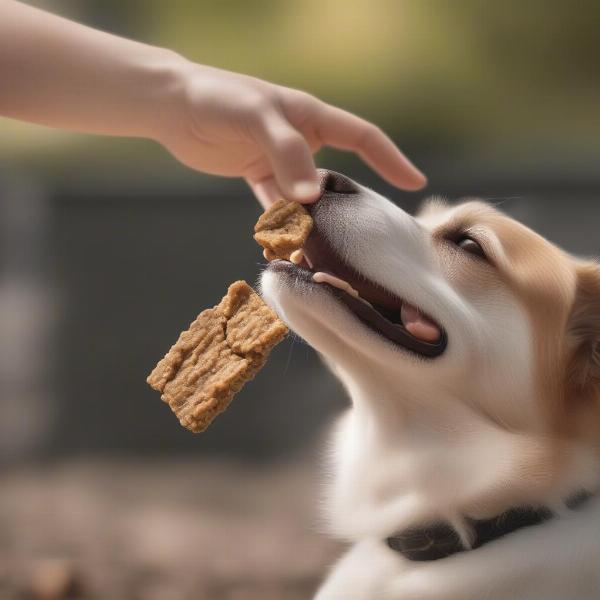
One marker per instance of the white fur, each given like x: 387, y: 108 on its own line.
x: 421, y: 440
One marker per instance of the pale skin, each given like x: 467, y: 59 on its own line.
x: 59, y: 73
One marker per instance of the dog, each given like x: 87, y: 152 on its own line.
x: 468, y: 465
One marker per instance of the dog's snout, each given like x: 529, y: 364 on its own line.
x: 336, y: 183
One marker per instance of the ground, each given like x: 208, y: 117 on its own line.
x: 168, y: 530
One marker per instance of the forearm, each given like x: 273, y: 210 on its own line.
x: 62, y: 74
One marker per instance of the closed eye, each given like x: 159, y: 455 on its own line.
x: 470, y: 245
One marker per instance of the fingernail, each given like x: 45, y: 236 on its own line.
x: 305, y: 190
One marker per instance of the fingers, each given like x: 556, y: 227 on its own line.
x: 290, y: 158
x: 267, y: 191
x: 294, y: 175
x: 341, y: 129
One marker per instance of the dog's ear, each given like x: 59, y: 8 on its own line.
x: 584, y: 335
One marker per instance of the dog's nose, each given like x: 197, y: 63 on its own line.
x: 336, y: 183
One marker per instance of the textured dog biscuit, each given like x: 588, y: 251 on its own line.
x: 283, y: 228
x: 222, y: 349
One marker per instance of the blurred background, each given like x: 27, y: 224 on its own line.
x: 104, y: 495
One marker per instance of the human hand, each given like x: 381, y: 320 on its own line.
x: 235, y: 125
x: 214, y: 121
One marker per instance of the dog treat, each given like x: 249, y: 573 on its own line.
x: 222, y: 349
x: 283, y: 229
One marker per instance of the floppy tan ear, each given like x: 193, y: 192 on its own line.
x: 583, y: 373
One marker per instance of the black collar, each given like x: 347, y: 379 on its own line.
x: 440, y: 540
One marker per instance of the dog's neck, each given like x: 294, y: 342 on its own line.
x: 402, y: 461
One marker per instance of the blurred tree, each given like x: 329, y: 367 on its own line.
x: 466, y: 74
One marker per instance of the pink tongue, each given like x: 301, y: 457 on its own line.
x: 418, y: 325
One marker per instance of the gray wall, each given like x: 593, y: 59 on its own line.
x: 123, y: 268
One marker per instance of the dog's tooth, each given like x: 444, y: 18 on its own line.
x: 297, y: 256
x: 269, y: 255
x: 321, y: 277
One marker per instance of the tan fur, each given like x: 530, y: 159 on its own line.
x: 561, y: 295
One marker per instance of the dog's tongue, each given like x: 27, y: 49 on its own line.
x: 418, y: 325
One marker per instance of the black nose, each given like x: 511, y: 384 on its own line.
x: 336, y: 183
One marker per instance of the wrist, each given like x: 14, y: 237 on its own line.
x: 163, y: 80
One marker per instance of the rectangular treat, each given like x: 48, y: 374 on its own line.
x: 210, y: 362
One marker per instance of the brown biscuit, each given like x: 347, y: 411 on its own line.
x: 223, y: 348
x: 283, y: 228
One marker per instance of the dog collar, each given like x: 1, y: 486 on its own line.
x: 439, y: 540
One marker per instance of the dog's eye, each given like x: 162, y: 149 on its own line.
x: 469, y: 245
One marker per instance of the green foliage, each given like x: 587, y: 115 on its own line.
x: 468, y: 73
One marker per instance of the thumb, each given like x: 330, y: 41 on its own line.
x: 290, y: 158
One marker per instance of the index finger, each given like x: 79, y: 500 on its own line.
x: 340, y: 129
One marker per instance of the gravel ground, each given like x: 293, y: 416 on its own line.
x: 177, y: 530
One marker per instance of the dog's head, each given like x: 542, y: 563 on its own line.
x: 459, y: 308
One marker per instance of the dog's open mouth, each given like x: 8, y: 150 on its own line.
x: 379, y: 309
